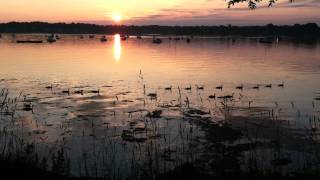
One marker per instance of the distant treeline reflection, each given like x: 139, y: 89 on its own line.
x: 310, y: 30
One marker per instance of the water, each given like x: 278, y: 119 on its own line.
x: 205, y: 61
x: 120, y: 70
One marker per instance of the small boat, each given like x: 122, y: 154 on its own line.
x: 188, y: 40
x: 267, y: 40
x: 103, y: 39
x: 29, y: 41
x: 139, y: 37
x: 123, y: 38
x: 57, y: 37
x: 51, y: 39
x: 91, y: 36
x: 157, y: 41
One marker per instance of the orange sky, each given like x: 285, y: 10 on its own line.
x: 163, y: 12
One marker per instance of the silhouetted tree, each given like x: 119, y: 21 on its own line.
x: 252, y: 4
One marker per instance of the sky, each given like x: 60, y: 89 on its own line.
x: 161, y: 12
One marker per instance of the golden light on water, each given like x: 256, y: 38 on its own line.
x: 117, y: 47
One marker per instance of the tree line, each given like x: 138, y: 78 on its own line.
x: 310, y: 30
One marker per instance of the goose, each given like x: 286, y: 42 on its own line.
x: 226, y: 96
x: 256, y: 87
x: 188, y: 88
x: 268, y: 86
x: 168, y: 88
x: 229, y: 96
x: 27, y: 107
x: 200, y: 87
x: 49, y: 87
x: 219, y: 87
x: 66, y: 91
x: 153, y: 95
x: 95, y: 91
x: 281, y: 85
x: 212, y: 96
x: 79, y: 92
x: 240, y: 87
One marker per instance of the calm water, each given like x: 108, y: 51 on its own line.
x: 206, y: 61
x: 120, y: 70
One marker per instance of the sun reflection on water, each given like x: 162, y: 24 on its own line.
x: 117, y: 47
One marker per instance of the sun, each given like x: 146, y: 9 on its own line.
x: 117, y: 17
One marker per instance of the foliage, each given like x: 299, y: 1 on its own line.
x: 252, y: 4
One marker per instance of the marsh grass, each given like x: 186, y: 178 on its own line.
x: 207, y: 142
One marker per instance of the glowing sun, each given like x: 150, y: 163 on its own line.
x: 117, y: 17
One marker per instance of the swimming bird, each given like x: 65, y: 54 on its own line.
x: 188, y: 88
x: 79, y: 92
x: 95, y: 91
x: 226, y: 96
x: 240, y: 87
x: 229, y: 96
x: 200, y: 87
x: 281, y: 85
x: 220, y: 87
x: 212, y: 96
x: 168, y: 88
x: 153, y: 95
x: 49, y: 87
x: 27, y: 107
x: 66, y: 91
x: 268, y: 86
x: 256, y: 87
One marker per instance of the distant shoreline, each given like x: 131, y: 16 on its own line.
x: 310, y: 30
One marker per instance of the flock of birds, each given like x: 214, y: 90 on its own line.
x: 214, y: 96
x: 220, y: 87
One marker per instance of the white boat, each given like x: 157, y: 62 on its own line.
x: 157, y: 41
x: 51, y: 39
